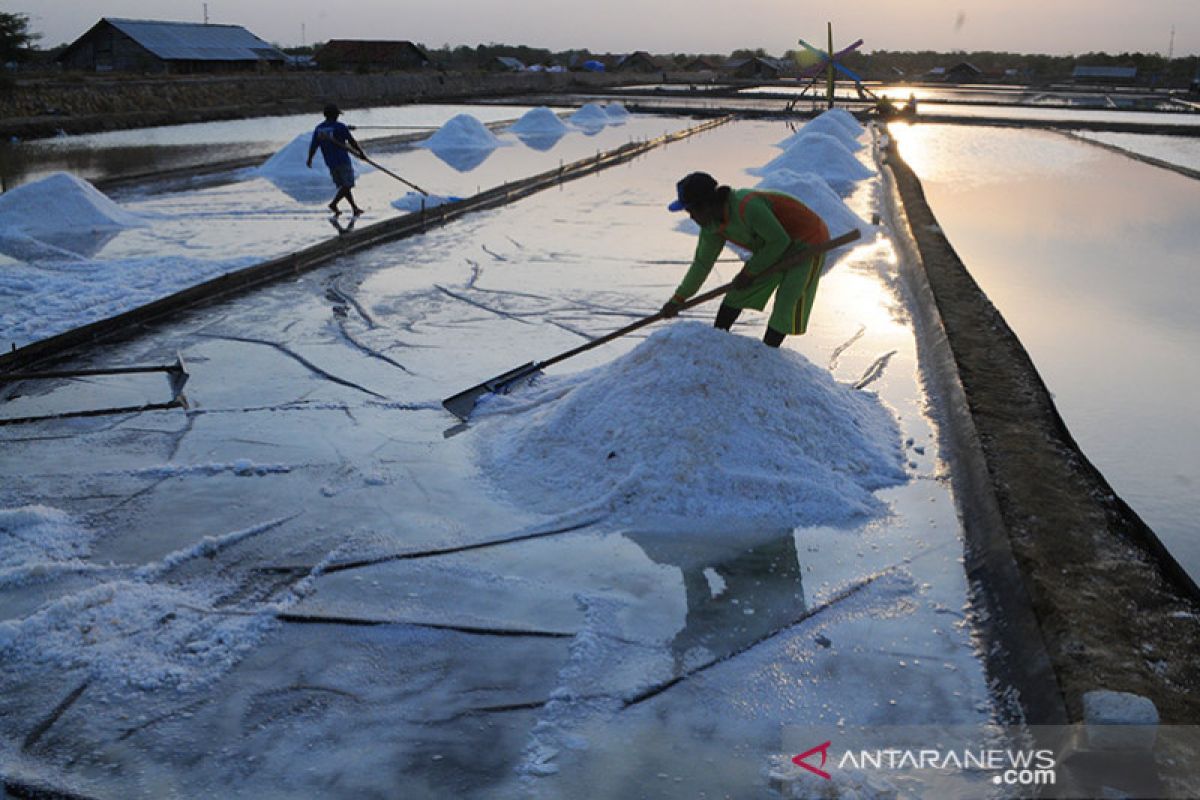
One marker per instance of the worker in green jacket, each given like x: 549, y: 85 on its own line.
x: 771, y: 225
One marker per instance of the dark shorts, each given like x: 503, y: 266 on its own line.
x: 342, y: 175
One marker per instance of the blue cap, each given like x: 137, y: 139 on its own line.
x: 695, y: 189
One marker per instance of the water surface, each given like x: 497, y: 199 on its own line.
x: 1090, y: 257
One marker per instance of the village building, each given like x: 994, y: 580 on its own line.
x: 757, y: 67
x: 507, y: 64
x: 134, y: 45
x: 371, y: 55
x: 702, y: 64
x: 963, y: 72
x: 1106, y: 76
x: 639, y: 61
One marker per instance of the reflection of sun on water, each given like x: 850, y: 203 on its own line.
x: 914, y: 147
x: 854, y: 289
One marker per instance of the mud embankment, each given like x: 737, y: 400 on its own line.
x: 1111, y: 606
x: 77, y: 104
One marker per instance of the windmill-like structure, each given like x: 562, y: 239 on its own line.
x: 827, y: 64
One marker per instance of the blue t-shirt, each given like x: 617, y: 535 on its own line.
x: 334, y: 156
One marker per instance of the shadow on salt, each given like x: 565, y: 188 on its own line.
x: 591, y: 118
x: 60, y: 218
x: 288, y: 171
x: 821, y: 154
x: 55, y: 246
x: 698, y: 428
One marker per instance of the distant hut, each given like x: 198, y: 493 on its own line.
x: 757, y: 68
x: 702, y: 64
x: 371, y: 55
x: 640, y: 61
x: 963, y: 72
x: 507, y: 64
x: 139, y: 45
x: 1106, y: 76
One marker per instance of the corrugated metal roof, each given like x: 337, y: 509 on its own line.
x: 1105, y: 72
x: 194, y: 41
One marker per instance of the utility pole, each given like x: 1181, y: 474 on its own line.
x: 1171, y: 48
x: 206, y: 13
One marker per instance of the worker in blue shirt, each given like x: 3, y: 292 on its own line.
x: 336, y: 144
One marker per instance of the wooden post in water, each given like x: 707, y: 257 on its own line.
x: 829, y: 95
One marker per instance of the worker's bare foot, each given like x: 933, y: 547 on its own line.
x: 358, y: 211
x: 337, y: 212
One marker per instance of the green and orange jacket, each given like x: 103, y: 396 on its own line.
x: 765, y: 223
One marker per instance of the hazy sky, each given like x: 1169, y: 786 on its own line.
x: 1057, y: 27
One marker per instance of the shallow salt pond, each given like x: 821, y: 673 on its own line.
x: 544, y: 665
x: 199, y: 230
x: 1090, y: 257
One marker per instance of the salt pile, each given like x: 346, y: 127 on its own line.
x: 592, y: 115
x: 823, y: 155
x: 463, y: 143
x: 617, y: 115
x: 830, y: 126
x: 847, y: 119
x: 814, y: 192
x: 290, y: 164
x: 288, y: 170
x: 62, y: 203
x: 415, y: 201
x: 540, y: 128
x: 462, y: 132
x: 539, y: 121
x: 695, y: 423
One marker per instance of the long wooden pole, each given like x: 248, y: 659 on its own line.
x: 829, y: 28
x: 461, y: 404
x: 781, y: 266
x: 361, y: 155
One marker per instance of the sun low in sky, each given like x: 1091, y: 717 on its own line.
x: 1060, y: 27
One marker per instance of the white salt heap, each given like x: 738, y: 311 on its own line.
x: 814, y: 192
x: 823, y: 155
x: 847, y: 119
x: 288, y: 170
x: 61, y: 203
x: 415, y: 201
x: 290, y: 161
x: 462, y: 132
x: 830, y: 126
x: 695, y: 423
x: 591, y: 115
x: 616, y: 113
x: 539, y: 121
x: 290, y: 165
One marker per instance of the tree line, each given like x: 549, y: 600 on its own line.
x: 18, y: 45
